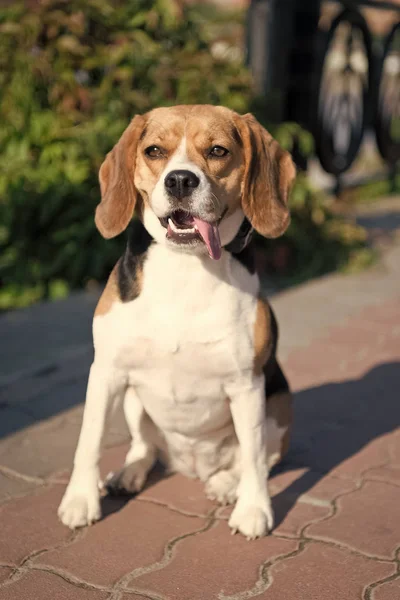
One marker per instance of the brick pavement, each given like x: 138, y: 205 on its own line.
x: 336, y: 497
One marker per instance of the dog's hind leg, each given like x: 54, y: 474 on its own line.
x: 223, y: 485
x: 279, y: 413
x: 142, y: 453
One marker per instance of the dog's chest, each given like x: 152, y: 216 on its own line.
x: 190, y: 328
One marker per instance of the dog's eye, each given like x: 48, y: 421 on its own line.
x: 153, y: 152
x: 218, y: 152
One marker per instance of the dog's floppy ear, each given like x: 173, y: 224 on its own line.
x: 268, y: 177
x: 118, y: 192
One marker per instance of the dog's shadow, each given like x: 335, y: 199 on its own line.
x: 114, y: 502
x: 332, y: 422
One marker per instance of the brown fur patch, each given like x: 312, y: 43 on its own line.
x: 118, y: 192
x: 255, y: 172
x: 268, y: 176
x: 110, y: 294
x: 262, y: 336
x: 203, y: 126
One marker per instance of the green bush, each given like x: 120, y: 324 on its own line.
x: 318, y: 240
x: 72, y: 75
x: 316, y: 243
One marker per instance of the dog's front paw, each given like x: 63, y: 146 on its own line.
x: 80, y: 506
x: 251, y: 520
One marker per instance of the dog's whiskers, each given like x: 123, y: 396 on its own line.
x: 216, y: 202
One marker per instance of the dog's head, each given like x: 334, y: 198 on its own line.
x: 193, y: 173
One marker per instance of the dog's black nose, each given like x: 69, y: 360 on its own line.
x: 181, y: 183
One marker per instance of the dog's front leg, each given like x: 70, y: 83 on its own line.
x: 81, y: 502
x: 252, y: 515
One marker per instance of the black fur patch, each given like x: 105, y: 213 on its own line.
x: 241, y: 247
x: 132, y: 260
x: 246, y: 258
x: 275, y: 380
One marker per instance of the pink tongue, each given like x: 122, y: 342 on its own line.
x: 210, y: 235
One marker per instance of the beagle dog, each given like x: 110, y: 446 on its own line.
x: 181, y: 333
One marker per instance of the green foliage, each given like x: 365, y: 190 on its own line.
x: 317, y: 241
x: 372, y: 191
x: 288, y: 134
x: 72, y: 75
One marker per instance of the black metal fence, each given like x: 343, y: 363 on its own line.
x: 333, y: 67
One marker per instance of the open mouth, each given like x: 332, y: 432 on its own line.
x: 184, y: 228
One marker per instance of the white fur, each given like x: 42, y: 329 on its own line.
x: 203, y: 202
x: 142, y: 453
x: 81, y: 504
x: 183, y: 354
x: 252, y: 514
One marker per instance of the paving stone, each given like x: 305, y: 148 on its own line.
x: 310, y: 485
x: 357, y: 333
x: 180, y: 493
x: 12, y: 419
x: 30, y: 523
x: 36, y: 585
x: 328, y: 488
x: 345, y: 415
x: 65, y: 394
x: 112, y: 459
x: 387, y: 591
x: 374, y: 454
x: 388, y: 474
x: 13, y: 487
x: 117, y: 432
x: 132, y: 538
x: 131, y: 596
x: 320, y: 362
x: 35, y: 390
x: 321, y: 572
x: 48, y: 446
x: 5, y: 573
x: 349, y: 412
x: 213, y: 564
x: 174, y: 490
x: 394, y: 449
x: 65, y: 323
x: 290, y: 518
x: 385, y: 313
x: 42, y: 448
x: 288, y: 477
x: 367, y: 520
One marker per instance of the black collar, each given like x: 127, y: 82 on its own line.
x: 242, y: 238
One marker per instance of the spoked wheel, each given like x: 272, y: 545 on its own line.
x: 344, y: 86
x: 387, y: 115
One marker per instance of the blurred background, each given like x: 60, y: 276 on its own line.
x: 322, y: 76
